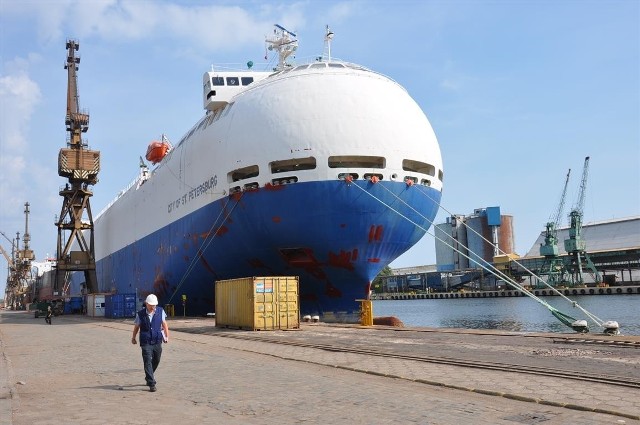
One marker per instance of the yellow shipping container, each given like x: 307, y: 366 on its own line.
x: 258, y: 303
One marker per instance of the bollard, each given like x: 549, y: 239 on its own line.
x: 366, y: 312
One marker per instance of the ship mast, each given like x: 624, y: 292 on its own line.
x: 80, y: 166
x: 327, y: 44
x: 285, y: 43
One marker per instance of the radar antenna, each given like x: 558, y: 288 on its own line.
x: 285, y: 43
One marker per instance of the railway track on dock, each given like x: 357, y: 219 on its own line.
x: 617, y: 381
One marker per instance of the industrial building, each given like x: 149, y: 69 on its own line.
x: 464, y: 242
x: 612, y: 246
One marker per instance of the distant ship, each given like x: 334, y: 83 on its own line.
x: 327, y: 171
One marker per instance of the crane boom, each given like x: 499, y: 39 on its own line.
x: 556, y: 217
x: 550, y: 246
x: 9, y: 260
x: 579, y: 206
x: 7, y: 238
x: 76, y: 121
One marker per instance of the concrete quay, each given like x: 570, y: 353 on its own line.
x: 82, y: 370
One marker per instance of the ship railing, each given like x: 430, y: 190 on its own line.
x: 119, y: 195
x: 311, y: 60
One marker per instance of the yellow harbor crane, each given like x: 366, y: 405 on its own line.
x: 80, y: 165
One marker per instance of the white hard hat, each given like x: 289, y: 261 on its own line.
x: 151, y: 300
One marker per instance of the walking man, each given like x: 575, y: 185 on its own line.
x: 48, y: 316
x: 151, y: 321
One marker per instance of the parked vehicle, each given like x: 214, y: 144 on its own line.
x: 40, y: 307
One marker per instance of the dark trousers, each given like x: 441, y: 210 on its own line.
x: 151, y: 354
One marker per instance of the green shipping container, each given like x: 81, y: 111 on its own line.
x: 258, y: 303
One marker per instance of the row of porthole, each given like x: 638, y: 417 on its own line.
x: 394, y: 177
x: 294, y: 179
x: 496, y: 294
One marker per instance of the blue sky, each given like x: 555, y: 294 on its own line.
x: 516, y: 91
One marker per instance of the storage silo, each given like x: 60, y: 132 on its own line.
x: 478, y: 233
x: 451, y: 236
x: 506, y: 238
x: 489, y: 234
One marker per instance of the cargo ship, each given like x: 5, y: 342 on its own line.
x: 326, y: 170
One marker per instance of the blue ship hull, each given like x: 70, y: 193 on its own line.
x: 334, y: 235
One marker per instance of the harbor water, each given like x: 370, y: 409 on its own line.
x: 518, y: 314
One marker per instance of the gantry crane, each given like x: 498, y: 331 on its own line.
x: 9, y: 288
x: 19, y: 270
x: 80, y: 166
x: 575, y: 245
x: 553, y: 266
x: 25, y: 256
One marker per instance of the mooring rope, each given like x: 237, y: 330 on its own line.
x: 592, y: 316
x: 496, y: 272
x: 207, y: 240
x: 488, y: 267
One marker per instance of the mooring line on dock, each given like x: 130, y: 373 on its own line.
x: 562, y: 317
x: 592, y: 316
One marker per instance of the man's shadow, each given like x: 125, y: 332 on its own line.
x: 116, y: 387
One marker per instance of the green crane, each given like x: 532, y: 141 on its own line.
x: 575, y: 245
x: 553, y: 266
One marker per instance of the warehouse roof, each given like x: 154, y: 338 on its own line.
x: 616, y: 234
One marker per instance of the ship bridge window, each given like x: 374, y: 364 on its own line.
x: 246, y: 80
x: 440, y: 175
x: 232, y: 81
x: 335, y: 65
x: 295, y: 164
x: 243, y: 173
x: 356, y: 161
x: 418, y: 167
x: 217, y: 81
x: 301, y: 67
x: 318, y: 65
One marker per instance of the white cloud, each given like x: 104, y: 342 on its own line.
x: 19, y: 97
x: 209, y: 27
x: 341, y: 11
x: 450, y: 84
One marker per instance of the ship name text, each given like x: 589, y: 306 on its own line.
x: 201, y: 189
